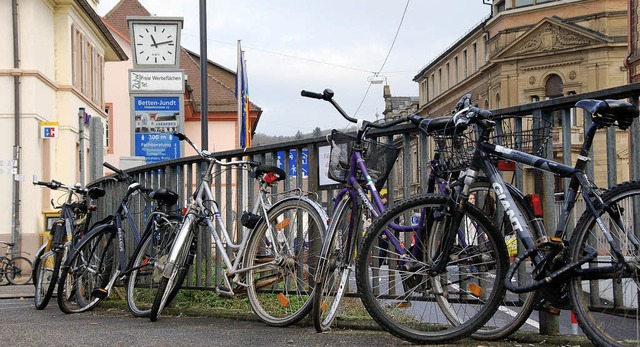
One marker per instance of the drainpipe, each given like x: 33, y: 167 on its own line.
x: 629, y: 40
x: 15, y: 206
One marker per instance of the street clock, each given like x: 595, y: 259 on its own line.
x: 155, y: 41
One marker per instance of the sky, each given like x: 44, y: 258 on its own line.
x: 291, y: 45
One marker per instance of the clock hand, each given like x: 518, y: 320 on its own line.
x: 163, y: 42
x: 154, y: 44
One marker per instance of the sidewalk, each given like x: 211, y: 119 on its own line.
x: 9, y: 291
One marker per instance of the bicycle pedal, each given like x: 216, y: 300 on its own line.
x: 100, y: 293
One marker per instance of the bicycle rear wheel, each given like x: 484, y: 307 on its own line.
x: 515, y: 309
x: 88, y: 271
x: 604, y: 294
x: 147, y: 265
x: 47, y: 268
x: 283, y: 254
x: 401, y: 293
x: 19, y: 271
x: 336, y: 262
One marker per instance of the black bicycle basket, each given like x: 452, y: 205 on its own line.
x: 378, y: 158
x: 529, y: 134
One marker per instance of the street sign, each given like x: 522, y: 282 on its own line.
x: 48, y: 130
x: 155, y: 120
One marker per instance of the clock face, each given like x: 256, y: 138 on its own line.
x: 155, y: 44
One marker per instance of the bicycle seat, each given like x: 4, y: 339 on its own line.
x: 270, y: 174
x: 165, y: 196
x: 608, y: 112
x: 95, y: 192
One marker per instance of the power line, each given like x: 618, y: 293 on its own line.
x: 387, y: 57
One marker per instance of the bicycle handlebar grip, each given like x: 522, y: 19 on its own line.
x: 313, y: 95
x: 179, y: 135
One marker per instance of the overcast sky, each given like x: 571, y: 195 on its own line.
x: 292, y: 45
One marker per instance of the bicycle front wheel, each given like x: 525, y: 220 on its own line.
x: 396, y: 278
x: 173, y: 274
x: 19, y: 271
x: 148, y: 263
x: 604, y: 293
x: 515, y: 309
x: 85, y: 275
x: 47, y: 269
x: 282, y: 254
x: 336, y: 262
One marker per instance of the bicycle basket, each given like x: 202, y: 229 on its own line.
x: 528, y: 134
x: 378, y: 158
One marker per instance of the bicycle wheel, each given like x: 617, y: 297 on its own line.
x: 605, y: 302
x: 47, y: 268
x: 282, y: 255
x: 19, y: 271
x: 88, y: 271
x: 403, y: 295
x: 515, y: 309
x: 335, y: 265
x: 173, y: 274
x: 148, y: 262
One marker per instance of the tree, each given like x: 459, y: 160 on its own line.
x: 317, y: 132
x: 299, y: 135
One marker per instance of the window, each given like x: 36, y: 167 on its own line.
x: 498, y: 104
x: 474, y: 68
x: 108, y: 134
x: 433, y: 86
x: 553, y: 87
x: 520, y: 3
x: 455, y: 70
x: 448, y: 74
x: 465, y: 64
x: 439, y: 81
x: 87, y: 67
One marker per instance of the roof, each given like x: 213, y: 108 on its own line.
x: 95, y: 18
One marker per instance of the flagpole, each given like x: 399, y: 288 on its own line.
x: 240, y: 97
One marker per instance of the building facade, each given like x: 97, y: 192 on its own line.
x: 52, y: 62
x: 531, y: 50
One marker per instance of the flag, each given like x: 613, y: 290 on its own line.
x: 242, y: 95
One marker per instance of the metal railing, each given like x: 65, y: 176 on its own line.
x: 408, y: 177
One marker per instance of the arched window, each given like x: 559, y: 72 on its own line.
x: 553, y: 87
x: 498, y: 105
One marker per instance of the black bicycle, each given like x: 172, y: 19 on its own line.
x: 17, y: 270
x: 99, y: 260
x: 67, y: 230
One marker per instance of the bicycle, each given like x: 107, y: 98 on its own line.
x: 595, y: 267
x: 355, y: 163
x: 17, y: 270
x: 66, y: 231
x: 98, y: 260
x: 274, y: 261
x: 340, y: 247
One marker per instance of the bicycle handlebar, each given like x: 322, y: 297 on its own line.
x: 209, y: 156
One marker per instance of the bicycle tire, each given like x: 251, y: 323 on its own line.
x: 170, y: 283
x: 281, y: 293
x: 334, y: 267
x: 147, y: 263
x: 19, y: 271
x: 47, y: 269
x: 472, y: 283
x: 515, y: 309
x: 606, y: 307
x: 88, y: 270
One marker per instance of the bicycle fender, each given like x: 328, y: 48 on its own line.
x: 98, y: 229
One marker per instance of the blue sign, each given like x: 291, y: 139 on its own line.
x: 293, y: 159
x: 157, y: 147
x: 156, y: 118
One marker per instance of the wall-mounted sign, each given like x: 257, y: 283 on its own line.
x: 324, y: 153
x: 293, y: 159
x: 156, y: 81
x: 155, y: 120
x: 48, y: 130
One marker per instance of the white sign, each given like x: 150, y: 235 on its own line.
x: 324, y: 153
x: 12, y: 163
x: 48, y: 130
x: 149, y: 81
x: 8, y: 170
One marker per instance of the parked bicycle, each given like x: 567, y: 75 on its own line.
x: 17, y: 270
x: 273, y: 263
x: 66, y: 231
x: 99, y: 259
x: 594, y: 266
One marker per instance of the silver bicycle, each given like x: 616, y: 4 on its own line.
x: 274, y: 263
